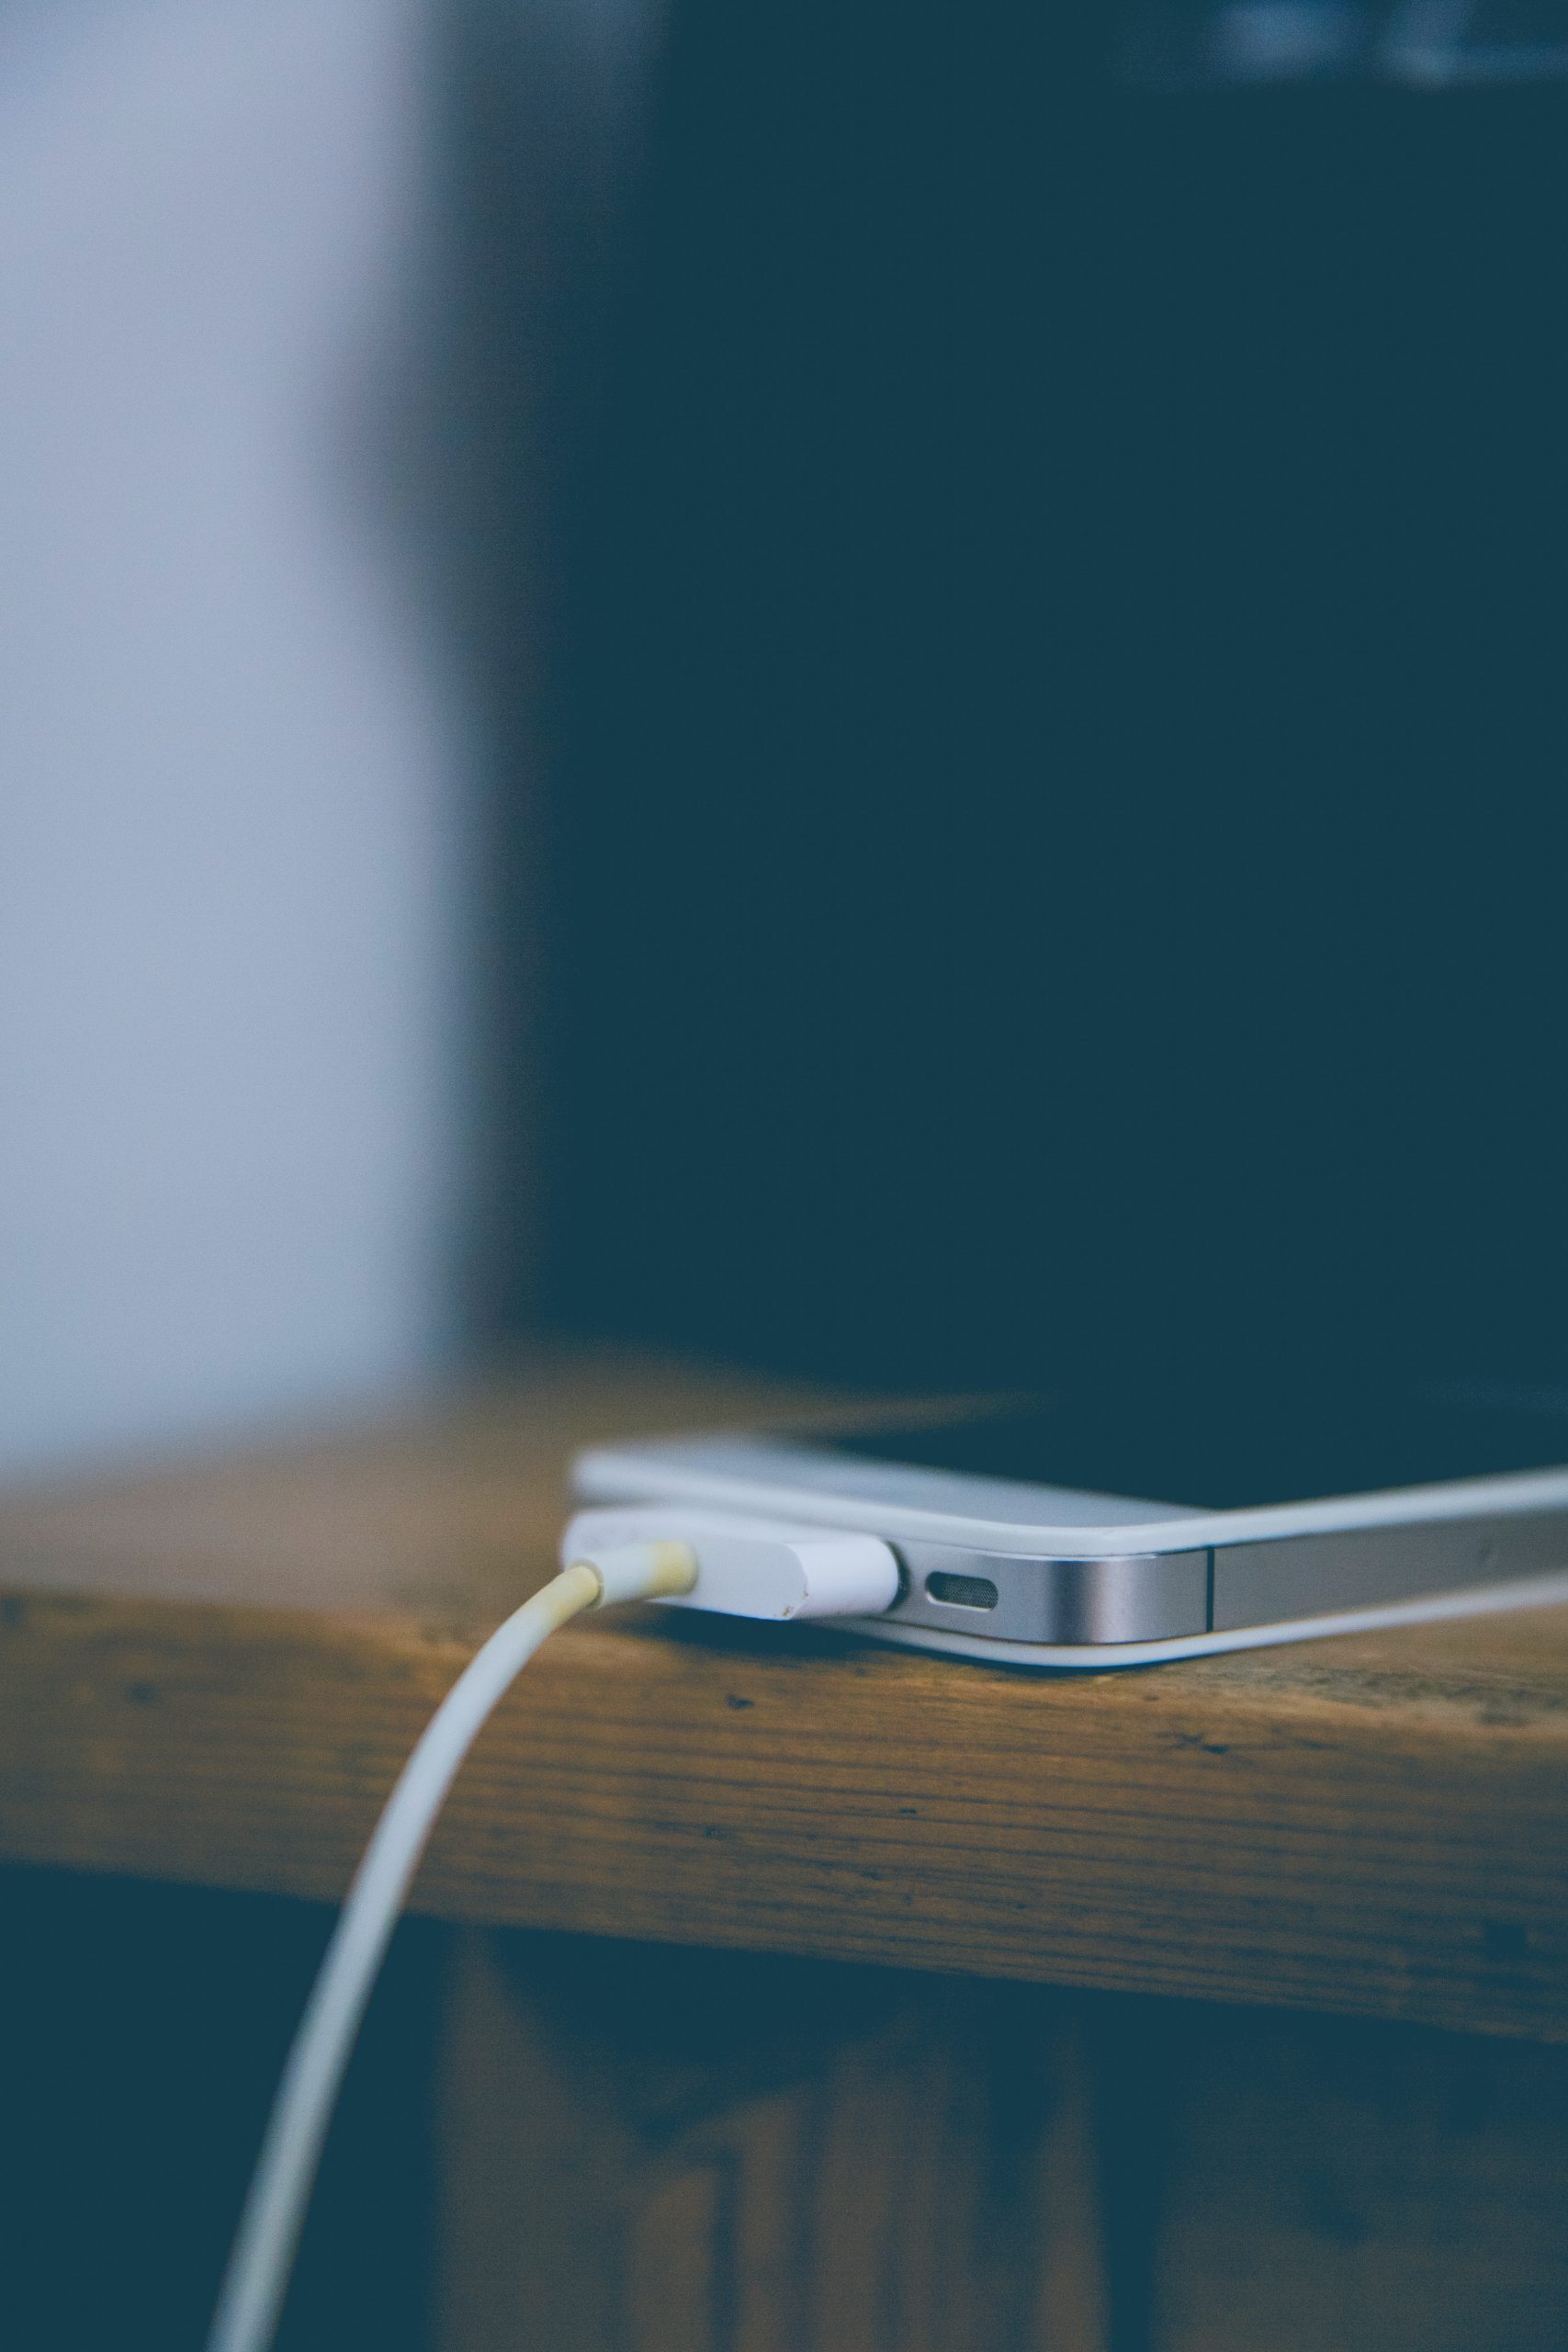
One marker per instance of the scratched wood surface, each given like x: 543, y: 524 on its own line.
x: 210, y: 1673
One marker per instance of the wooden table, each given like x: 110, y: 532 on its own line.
x: 887, y: 2004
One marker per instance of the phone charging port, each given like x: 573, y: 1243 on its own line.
x: 961, y: 1592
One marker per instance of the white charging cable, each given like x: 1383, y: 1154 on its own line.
x: 262, y: 2256
x: 741, y: 1567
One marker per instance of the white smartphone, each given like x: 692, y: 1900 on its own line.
x: 1093, y: 1528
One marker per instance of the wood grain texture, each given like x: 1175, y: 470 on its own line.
x: 212, y: 1675
x: 668, y: 2152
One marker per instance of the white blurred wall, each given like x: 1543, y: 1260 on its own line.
x: 231, y: 800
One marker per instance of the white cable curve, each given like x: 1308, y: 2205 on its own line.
x: 258, y: 2274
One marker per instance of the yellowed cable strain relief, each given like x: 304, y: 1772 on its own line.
x: 570, y: 1602
x: 674, y: 1566
x: 640, y: 1571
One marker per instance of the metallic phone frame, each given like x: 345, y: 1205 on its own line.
x: 1090, y: 1581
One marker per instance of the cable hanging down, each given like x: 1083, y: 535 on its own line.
x: 257, y: 2275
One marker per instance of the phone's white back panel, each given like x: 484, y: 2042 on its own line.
x: 897, y: 1500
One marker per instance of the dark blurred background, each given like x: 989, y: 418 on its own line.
x: 871, y: 690
x: 1055, y: 837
